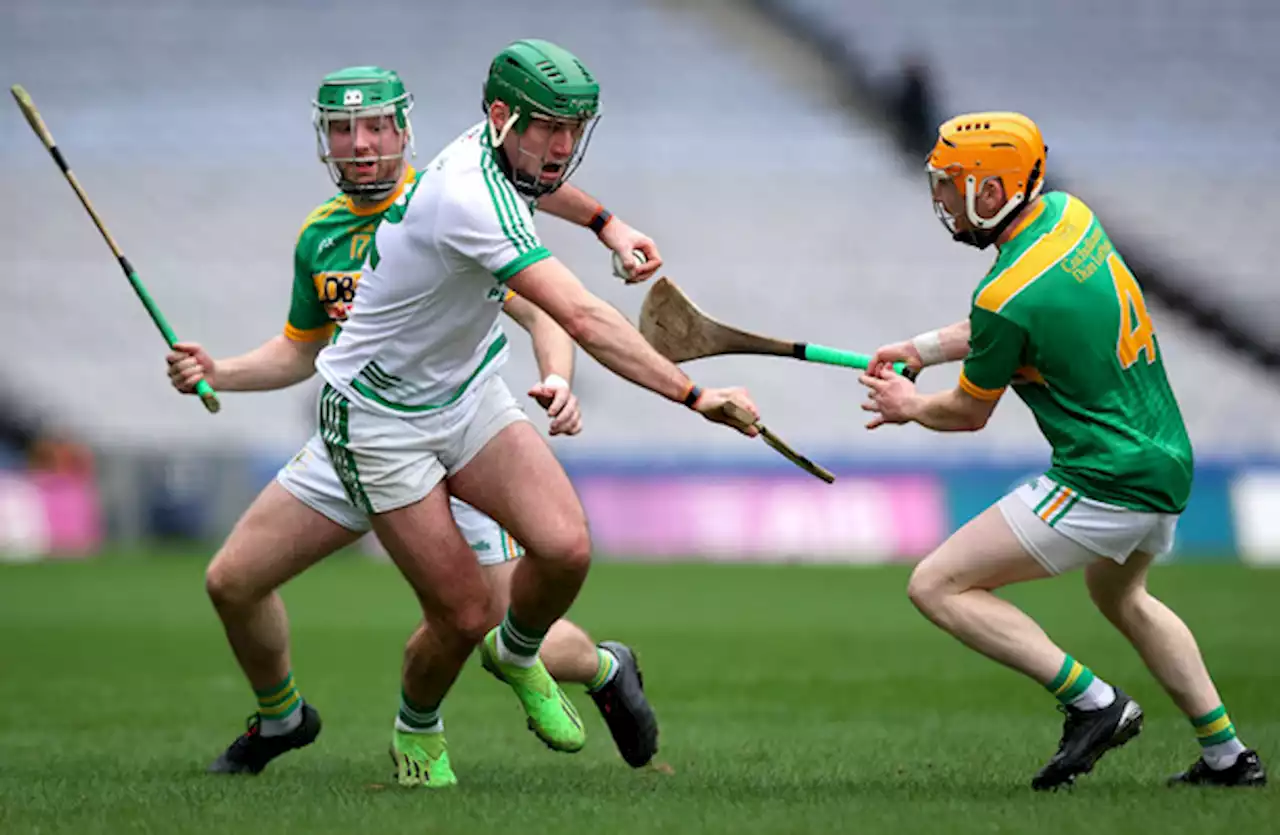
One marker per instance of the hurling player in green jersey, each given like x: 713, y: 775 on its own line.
x: 1062, y: 320
x: 365, y: 135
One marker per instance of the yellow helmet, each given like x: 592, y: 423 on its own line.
x: 976, y: 147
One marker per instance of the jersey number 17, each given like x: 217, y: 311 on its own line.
x: 1136, y: 333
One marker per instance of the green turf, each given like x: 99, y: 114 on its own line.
x: 792, y: 699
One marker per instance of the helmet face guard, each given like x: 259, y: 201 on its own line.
x: 519, y: 169
x: 982, y: 232
x: 345, y: 99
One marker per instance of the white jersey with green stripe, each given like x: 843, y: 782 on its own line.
x: 424, y: 328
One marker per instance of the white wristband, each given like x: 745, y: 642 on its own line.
x: 930, y: 347
x: 555, y: 381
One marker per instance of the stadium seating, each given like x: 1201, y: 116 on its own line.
x: 774, y: 210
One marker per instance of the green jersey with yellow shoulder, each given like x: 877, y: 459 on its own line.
x: 327, y: 260
x: 1062, y: 319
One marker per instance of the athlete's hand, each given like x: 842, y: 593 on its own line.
x: 886, y: 355
x: 189, y: 364
x: 624, y: 241
x: 890, y: 395
x: 711, y: 405
x: 554, y: 395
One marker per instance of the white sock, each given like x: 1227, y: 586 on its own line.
x: 280, y: 727
x: 1223, y: 755
x: 436, y: 728
x: 506, y: 656
x: 1096, y: 696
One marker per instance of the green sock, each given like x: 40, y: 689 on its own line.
x: 279, y: 708
x: 1072, y: 680
x: 416, y: 719
x: 518, y: 644
x: 1217, y: 736
x: 605, y: 672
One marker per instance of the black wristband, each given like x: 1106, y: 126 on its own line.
x: 691, y: 399
x: 601, y: 217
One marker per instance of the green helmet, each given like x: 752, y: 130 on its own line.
x: 358, y: 93
x: 538, y: 79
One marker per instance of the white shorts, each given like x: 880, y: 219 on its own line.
x: 1064, y: 530
x: 311, y: 478
x: 386, y: 462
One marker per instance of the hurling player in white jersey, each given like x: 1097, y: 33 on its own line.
x: 304, y: 515
x: 413, y: 410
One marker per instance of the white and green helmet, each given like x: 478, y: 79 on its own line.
x: 358, y: 93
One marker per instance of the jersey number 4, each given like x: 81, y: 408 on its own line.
x: 1136, y: 333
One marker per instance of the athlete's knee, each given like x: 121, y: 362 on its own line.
x: 930, y: 586
x: 568, y: 547
x: 468, y: 621
x: 229, y: 587
x: 470, y: 625
x: 577, y: 548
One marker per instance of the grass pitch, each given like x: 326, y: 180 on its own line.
x: 792, y: 699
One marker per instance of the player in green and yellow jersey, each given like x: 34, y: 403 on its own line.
x: 364, y: 134
x: 1061, y: 319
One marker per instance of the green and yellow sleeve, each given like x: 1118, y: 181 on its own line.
x: 308, y: 320
x: 996, y: 349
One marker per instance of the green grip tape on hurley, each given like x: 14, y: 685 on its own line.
x: 208, y: 397
x: 848, y: 359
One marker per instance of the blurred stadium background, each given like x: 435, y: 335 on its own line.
x: 773, y: 148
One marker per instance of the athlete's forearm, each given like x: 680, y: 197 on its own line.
x: 948, y: 411
x: 606, y: 335
x: 955, y: 340
x: 948, y: 344
x: 552, y: 347
x: 572, y: 204
x: 278, y: 363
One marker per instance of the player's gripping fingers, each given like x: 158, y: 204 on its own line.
x: 872, y: 381
x: 559, y: 402
x: 891, y: 377
x: 651, y: 264
x: 713, y: 402
x: 191, y: 351
x: 569, y: 420
x: 191, y: 380
x: 887, y: 355
x: 544, y: 395
x: 551, y: 394
x: 181, y: 369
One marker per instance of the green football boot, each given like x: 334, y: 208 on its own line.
x: 551, y: 715
x: 422, y: 760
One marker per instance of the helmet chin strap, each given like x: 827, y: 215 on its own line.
x: 366, y: 193
x: 374, y: 192
x: 525, y: 184
x: 983, y: 238
x: 496, y: 137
